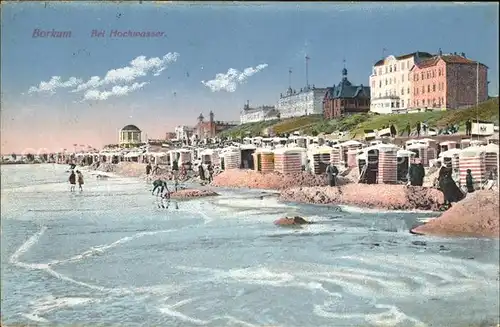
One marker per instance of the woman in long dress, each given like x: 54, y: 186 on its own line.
x: 447, y: 185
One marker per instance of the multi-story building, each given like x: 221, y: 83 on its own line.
x: 447, y: 82
x: 262, y: 113
x: 183, y: 132
x: 307, y: 101
x: 390, y: 83
x: 345, y: 99
x: 208, y: 129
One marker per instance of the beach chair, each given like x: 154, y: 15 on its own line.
x: 488, y: 185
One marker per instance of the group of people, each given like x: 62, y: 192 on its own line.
x: 203, y: 172
x: 75, y: 178
x: 444, y: 182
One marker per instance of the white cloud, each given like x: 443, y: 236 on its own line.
x: 116, y: 91
x: 54, y: 83
x: 229, y: 81
x: 138, y: 67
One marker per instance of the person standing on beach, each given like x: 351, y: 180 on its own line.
x: 416, y: 173
x: 210, y: 169
x: 201, y: 172
x: 408, y: 129
x: 80, y: 180
x: 148, y: 171
x: 469, y: 182
x: 72, y: 181
x: 332, y: 172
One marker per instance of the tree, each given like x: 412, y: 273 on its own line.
x: 30, y: 157
x: 14, y: 156
x: 45, y: 157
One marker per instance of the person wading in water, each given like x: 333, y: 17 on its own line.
x: 72, y: 181
x: 158, y: 185
x: 80, y: 180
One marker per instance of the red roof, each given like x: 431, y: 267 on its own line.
x: 448, y: 59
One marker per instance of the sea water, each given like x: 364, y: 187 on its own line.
x: 112, y: 255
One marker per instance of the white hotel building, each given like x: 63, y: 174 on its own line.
x: 253, y: 115
x: 308, y: 101
x: 390, y: 83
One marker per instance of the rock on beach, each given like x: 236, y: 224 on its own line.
x: 477, y: 216
x: 381, y: 196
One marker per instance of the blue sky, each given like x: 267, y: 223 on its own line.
x: 209, y: 40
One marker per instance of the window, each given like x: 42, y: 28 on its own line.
x: 403, y: 91
x: 380, y: 83
x: 395, y: 68
x: 428, y: 74
x: 390, y: 69
x: 390, y: 80
x: 402, y: 78
x: 385, y: 92
x: 418, y: 103
x: 428, y: 88
x: 402, y: 103
x: 433, y: 87
x: 392, y: 104
x: 422, y: 75
x: 408, y: 91
x: 423, y: 89
x: 433, y: 102
x: 386, y: 81
x: 423, y: 102
x: 433, y: 73
x: 439, y: 71
x: 397, y: 104
x: 374, y: 71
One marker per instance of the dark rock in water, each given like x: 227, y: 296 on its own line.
x: 291, y: 221
x: 419, y: 243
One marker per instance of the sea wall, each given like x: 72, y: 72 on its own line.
x: 380, y: 196
x: 477, y: 216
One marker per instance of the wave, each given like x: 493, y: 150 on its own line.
x: 354, y: 209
